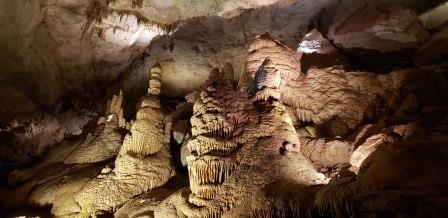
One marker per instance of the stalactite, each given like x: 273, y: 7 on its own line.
x: 98, y: 10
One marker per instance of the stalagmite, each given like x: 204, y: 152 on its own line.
x: 329, y: 108
x: 223, y: 174
x: 143, y: 162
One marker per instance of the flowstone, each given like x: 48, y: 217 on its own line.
x: 328, y: 96
x: 82, y: 181
x: 240, y: 145
x: 144, y: 161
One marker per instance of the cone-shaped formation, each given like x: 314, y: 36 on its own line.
x: 107, y: 143
x: 155, y: 80
x: 234, y: 154
x: 143, y: 163
x: 147, y: 132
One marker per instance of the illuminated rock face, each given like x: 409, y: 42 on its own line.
x: 379, y: 33
x: 308, y: 126
x: 144, y: 161
x: 382, y: 28
x: 170, y: 11
x: 239, y: 146
x: 329, y: 95
x: 71, y: 47
x: 315, y: 51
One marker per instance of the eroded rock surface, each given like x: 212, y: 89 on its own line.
x: 329, y: 95
x: 77, y: 48
x: 79, y: 181
x: 333, y: 114
x: 316, y: 51
x: 385, y: 33
x: 226, y: 177
x: 143, y: 162
x: 434, y: 50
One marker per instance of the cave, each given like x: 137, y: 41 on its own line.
x: 223, y: 108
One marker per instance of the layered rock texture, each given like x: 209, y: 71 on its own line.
x: 257, y: 108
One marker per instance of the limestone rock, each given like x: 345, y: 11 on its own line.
x: 363, y: 151
x: 277, y: 63
x: 433, y: 50
x: 326, y: 154
x: 170, y: 11
x: 181, y: 130
x: 14, y: 101
x: 26, y: 138
x: 385, y: 29
x: 364, y: 133
x: 387, y: 33
x: 317, y: 51
x: 306, y: 108
x: 225, y: 125
x: 408, y: 106
x: 395, y: 182
x: 77, y: 48
x: 184, y: 152
x: 179, y: 137
x: 435, y: 17
x: 407, y: 131
x: 143, y: 163
x: 210, y: 42
x: 144, y: 205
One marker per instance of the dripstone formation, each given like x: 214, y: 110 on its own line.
x: 224, y: 109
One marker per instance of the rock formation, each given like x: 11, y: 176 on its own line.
x: 315, y: 51
x: 68, y: 167
x: 143, y: 162
x: 330, y: 95
x: 239, y: 146
x: 385, y: 33
x: 254, y: 108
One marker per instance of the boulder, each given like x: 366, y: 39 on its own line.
x: 184, y: 152
x: 435, y: 17
x: 334, y: 11
x: 364, y: 133
x: 373, y: 34
x: 363, y: 151
x: 408, y: 106
x: 181, y: 129
x: 326, y: 154
x: 317, y: 51
x: 434, y: 50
